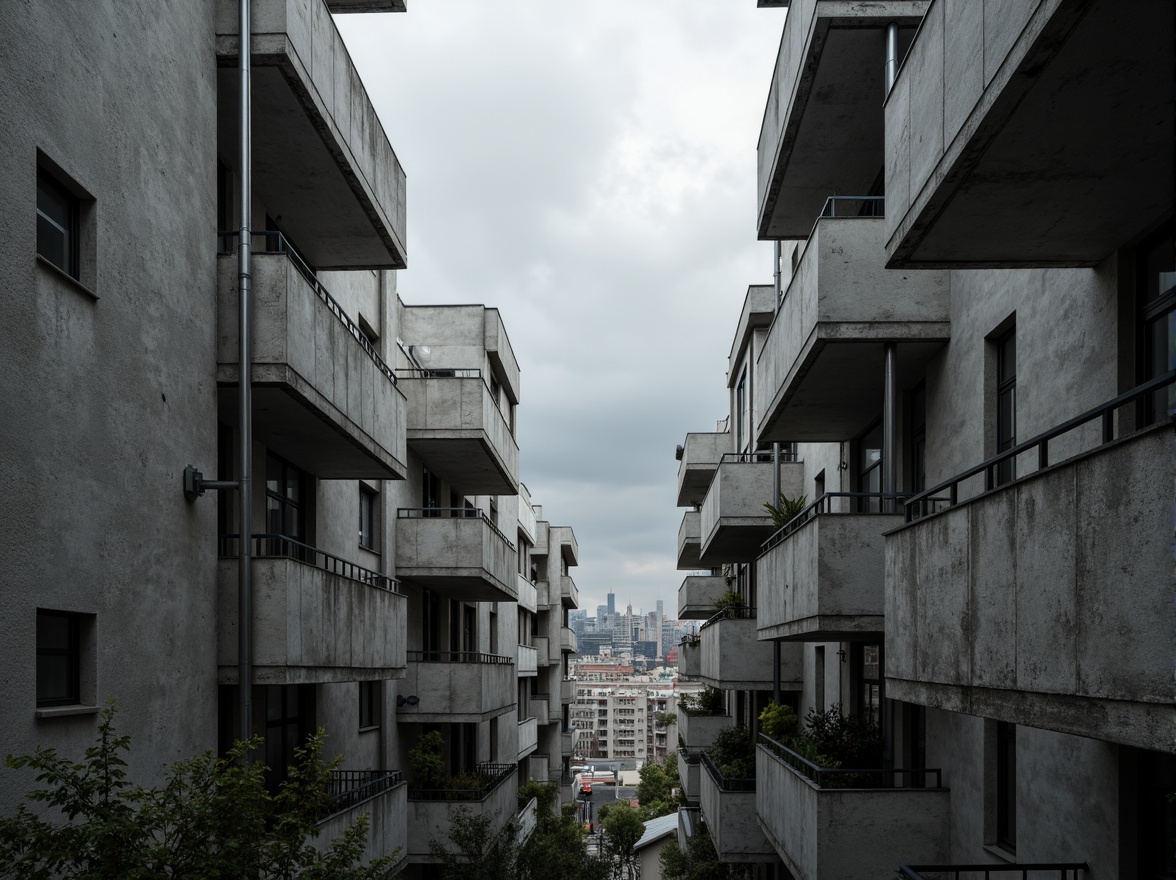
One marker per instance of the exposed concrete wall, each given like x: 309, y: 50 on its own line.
x: 458, y: 692
x: 428, y: 820
x: 731, y: 821
x: 699, y: 731
x: 387, y: 829
x: 106, y: 400
x: 732, y: 658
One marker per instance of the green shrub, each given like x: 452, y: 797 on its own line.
x: 787, y: 510
x: 425, y: 761
x: 733, y: 753
x: 779, y: 722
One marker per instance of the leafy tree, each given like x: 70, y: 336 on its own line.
x: 655, y: 791
x: 623, y: 827
x: 479, y: 853
x: 698, y: 861
x: 733, y: 753
x: 213, y: 818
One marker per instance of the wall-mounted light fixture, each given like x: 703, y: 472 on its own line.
x: 402, y: 700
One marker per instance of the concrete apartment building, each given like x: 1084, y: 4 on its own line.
x: 620, y: 720
x: 968, y: 365
x: 402, y: 580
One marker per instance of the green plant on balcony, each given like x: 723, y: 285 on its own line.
x: 708, y: 701
x: 787, y: 510
x: 426, y: 763
x: 779, y: 721
x: 843, y: 740
x: 729, y: 601
x: 733, y: 753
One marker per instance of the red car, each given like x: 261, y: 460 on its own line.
x: 586, y: 788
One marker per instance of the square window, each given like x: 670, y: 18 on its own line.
x: 367, y: 518
x: 369, y: 704
x: 59, y: 658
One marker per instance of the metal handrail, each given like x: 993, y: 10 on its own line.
x: 496, y: 774
x: 1105, y: 412
x: 459, y: 657
x: 722, y: 781
x: 452, y: 513
x: 830, y: 207
x: 1064, y: 869
x: 271, y: 546
x: 816, y: 773
x: 816, y: 507
x: 731, y: 612
x: 759, y: 457
x: 347, y: 788
x: 284, y: 247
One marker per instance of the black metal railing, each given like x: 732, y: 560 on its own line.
x: 916, y: 505
x: 475, y: 786
x: 276, y: 243
x: 452, y: 513
x: 1061, y: 870
x: 459, y: 657
x: 268, y: 546
x: 723, y: 782
x: 852, y: 777
x: 854, y: 206
x: 688, y: 756
x: 858, y: 502
x: 346, y: 788
x: 760, y: 457
x: 731, y: 612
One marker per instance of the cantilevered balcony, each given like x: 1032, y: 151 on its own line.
x: 321, y: 160
x: 317, y: 618
x: 698, y: 594
x: 1039, y: 136
x: 700, y: 459
x: 822, y: 129
x: 457, y: 687
x: 429, y: 809
x: 341, y: 6
x: 452, y: 552
x: 821, y: 372
x: 820, y: 578
x: 541, y: 709
x: 689, y: 764
x: 543, y: 651
x: 381, y: 796
x: 689, y: 540
x: 456, y: 426
x: 323, y: 398
x: 1047, y: 600
x: 567, y: 742
x: 569, y: 593
x: 690, y: 659
x: 828, y: 824
x: 528, y: 594
x: 733, y: 659
x: 528, y: 736
x: 567, y: 640
x: 528, y: 662
x: 567, y: 690
x: 733, y: 521
x: 563, y: 538
x: 698, y: 729
x: 728, y: 805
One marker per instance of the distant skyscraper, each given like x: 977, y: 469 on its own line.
x: 612, y: 603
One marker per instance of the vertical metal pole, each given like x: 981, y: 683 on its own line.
x: 890, y: 425
x: 891, y: 55
x: 245, y: 393
x: 776, y: 671
x: 776, y: 446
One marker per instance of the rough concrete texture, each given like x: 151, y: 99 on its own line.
x: 460, y: 433
x: 567, y: 641
x: 759, y: 307
x: 825, y: 580
x: 731, y: 820
x: 527, y: 737
x: 457, y: 692
x: 845, y: 833
x: 322, y: 160
x: 690, y: 661
x: 822, y: 128
x: 528, y: 661
x: 569, y: 593
x: 321, y: 400
x: 732, y: 658
x: 699, y: 731
x: 1001, y: 105
x: 106, y: 400
x: 311, y: 626
x: 733, y: 522
x: 688, y: 774
x: 819, y: 375
x: 565, y: 539
x: 1011, y: 605
x: 387, y: 831
x: 700, y: 458
x: 461, y: 337
x: 698, y: 594
x: 689, y: 541
x: 429, y: 820
x: 464, y: 558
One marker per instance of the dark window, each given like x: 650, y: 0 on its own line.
x: 285, y: 499
x: 1006, y: 403
x: 224, y: 209
x: 288, y: 712
x: 430, y: 492
x: 870, y: 676
x: 367, y: 518
x: 869, y: 468
x: 1156, y: 274
x: 742, y: 416
x: 58, y: 658
x: 1006, y: 785
x: 57, y: 224
x: 918, y: 444
x: 369, y: 704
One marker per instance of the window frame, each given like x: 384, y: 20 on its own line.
x: 369, y: 705
x: 50, y: 185
x: 368, y: 500
x: 1006, y: 389
x: 73, y: 653
x: 1006, y: 786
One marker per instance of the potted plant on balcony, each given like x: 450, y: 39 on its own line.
x: 787, y: 510
x: 729, y: 604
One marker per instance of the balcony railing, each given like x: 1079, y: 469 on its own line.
x: 851, y: 777
x: 267, y: 546
x: 1026, y: 870
x: 838, y: 502
x: 347, y: 788
x: 761, y: 457
x: 725, y: 783
x: 742, y: 612
x: 854, y: 206
x: 491, y: 776
x: 926, y: 502
x: 276, y: 243
x: 459, y: 657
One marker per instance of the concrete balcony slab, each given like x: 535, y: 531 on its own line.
x: 1040, y: 136
x: 698, y: 594
x: 698, y: 731
x: 689, y: 541
x: 688, y: 770
x: 343, y: 6
x: 430, y: 813
x: 567, y: 641
x: 457, y: 687
x: 458, y: 430
x: 528, y: 594
x: 569, y: 593
x: 822, y: 132
x: 462, y: 557
x: 565, y: 539
x: 700, y: 459
x: 824, y: 580
x: 542, y: 651
x: 567, y: 690
x: 528, y: 662
x: 690, y: 660
x: 311, y: 625
x: 321, y: 399
x: 733, y: 521
x: 1046, y: 601
x: 847, y: 833
x: 728, y: 806
x: 820, y: 374
x: 321, y: 159
x: 383, y: 799
x: 733, y: 659
x: 528, y: 737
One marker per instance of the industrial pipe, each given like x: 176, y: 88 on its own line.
x: 245, y: 384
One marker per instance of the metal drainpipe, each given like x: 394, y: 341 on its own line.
x: 891, y: 55
x: 245, y: 395
x: 776, y: 483
x: 889, y: 442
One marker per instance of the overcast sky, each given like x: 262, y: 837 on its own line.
x: 589, y: 169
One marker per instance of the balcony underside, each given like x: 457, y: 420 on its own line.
x: 464, y: 585
x: 1052, y: 147
x: 834, y: 389
x: 735, y: 539
x: 341, y: 6
x: 467, y: 461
